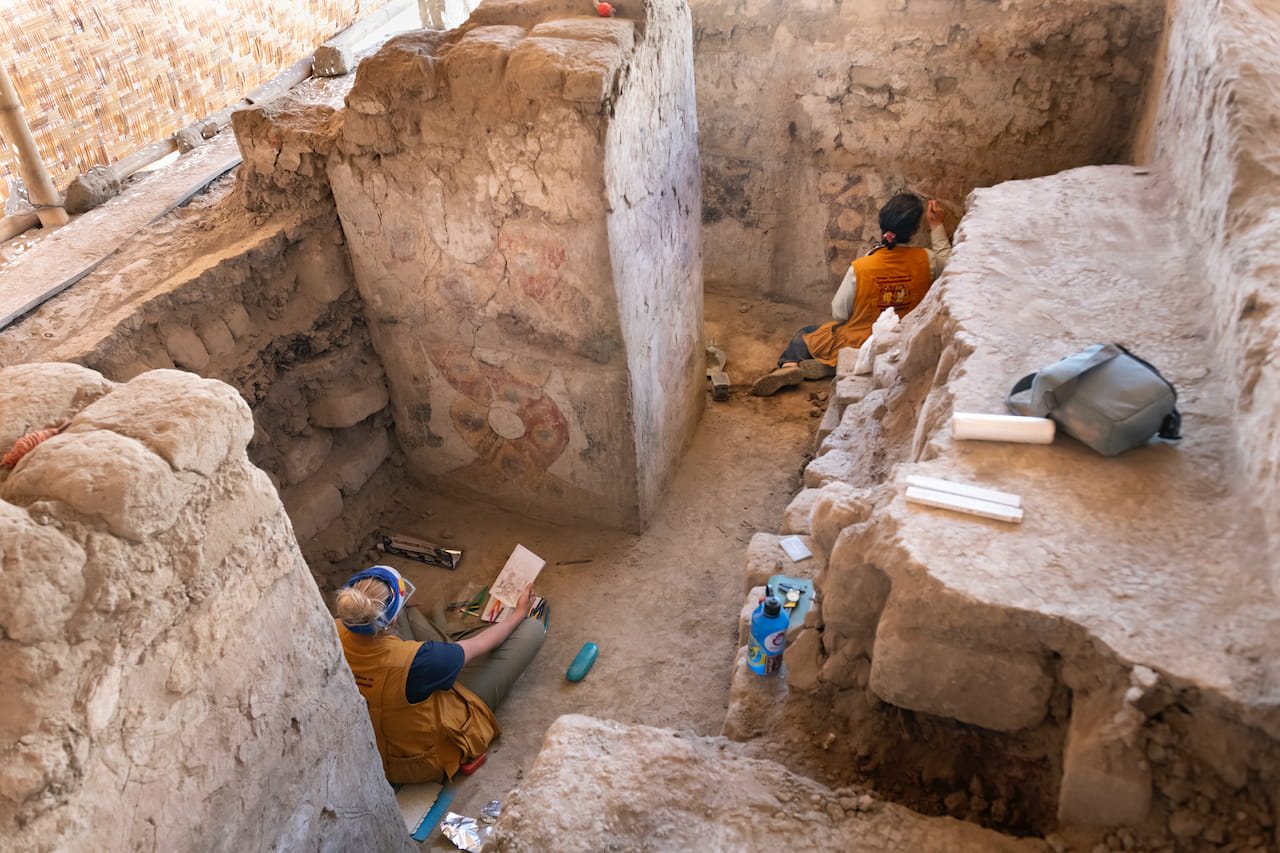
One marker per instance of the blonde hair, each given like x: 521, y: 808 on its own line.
x: 362, y: 602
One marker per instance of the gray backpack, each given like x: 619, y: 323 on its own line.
x: 1105, y: 396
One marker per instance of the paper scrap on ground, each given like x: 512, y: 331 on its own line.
x: 521, y: 570
x: 795, y: 548
x: 415, y: 801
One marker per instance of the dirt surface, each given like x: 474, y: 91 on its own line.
x: 662, y: 606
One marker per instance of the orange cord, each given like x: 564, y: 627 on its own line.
x: 28, y: 443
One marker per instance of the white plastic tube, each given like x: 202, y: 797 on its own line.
x: 972, y: 425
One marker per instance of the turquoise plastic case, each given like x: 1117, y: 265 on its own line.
x: 582, y: 663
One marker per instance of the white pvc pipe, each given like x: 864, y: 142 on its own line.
x: 972, y: 425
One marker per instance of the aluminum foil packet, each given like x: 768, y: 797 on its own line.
x: 490, y: 812
x: 465, y: 832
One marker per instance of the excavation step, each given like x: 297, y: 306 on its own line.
x: 601, y: 785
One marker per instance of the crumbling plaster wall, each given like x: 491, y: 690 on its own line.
x: 520, y: 198
x: 813, y: 113
x: 150, y: 574
x: 1216, y: 132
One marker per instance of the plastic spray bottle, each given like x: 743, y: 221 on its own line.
x: 768, y: 636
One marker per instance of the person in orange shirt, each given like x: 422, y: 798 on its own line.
x: 431, y: 717
x: 891, y: 275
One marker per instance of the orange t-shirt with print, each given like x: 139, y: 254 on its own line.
x: 895, y: 278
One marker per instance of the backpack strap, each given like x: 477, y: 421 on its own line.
x: 1021, y: 406
x: 1055, y: 395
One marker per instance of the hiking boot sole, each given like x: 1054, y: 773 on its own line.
x: 814, y: 369
x: 770, y: 383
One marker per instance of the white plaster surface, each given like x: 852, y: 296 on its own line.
x: 1216, y: 133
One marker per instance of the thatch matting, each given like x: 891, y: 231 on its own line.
x: 100, y: 80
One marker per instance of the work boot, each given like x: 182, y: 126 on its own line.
x: 769, y: 384
x: 814, y: 369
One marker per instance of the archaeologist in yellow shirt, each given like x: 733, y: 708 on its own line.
x: 430, y: 715
x: 891, y: 275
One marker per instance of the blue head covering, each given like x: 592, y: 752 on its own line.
x: 393, y: 605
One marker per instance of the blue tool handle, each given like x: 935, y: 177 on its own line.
x: 432, y: 818
x: 582, y: 663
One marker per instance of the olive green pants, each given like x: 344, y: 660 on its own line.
x: 489, y: 676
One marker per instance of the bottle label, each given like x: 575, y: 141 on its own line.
x: 766, y: 658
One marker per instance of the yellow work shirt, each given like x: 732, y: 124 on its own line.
x: 425, y: 741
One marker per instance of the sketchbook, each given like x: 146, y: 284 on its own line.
x: 522, y: 569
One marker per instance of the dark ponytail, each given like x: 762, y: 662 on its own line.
x: 899, y: 219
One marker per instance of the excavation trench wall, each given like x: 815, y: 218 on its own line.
x: 269, y: 307
x: 1215, y: 132
x: 151, y: 580
x: 1116, y: 650
x: 812, y: 114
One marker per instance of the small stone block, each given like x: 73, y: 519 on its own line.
x: 884, y: 374
x: 846, y: 361
x: 187, y: 139
x: 330, y: 60
x: 216, y: 337
x: 237, y: 319
x: 303, y: 455
x: 830, y: 421
x: 347, y: 407
x: 185, y: 347
x: 754, y: 701
x: 850, y: 390
x: 311, y: 507
x: 796, y: 517
x: 360, y: 455
x: 1106, y: 781
x: 764, y: 559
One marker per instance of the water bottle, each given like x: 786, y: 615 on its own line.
x: 768, y: 636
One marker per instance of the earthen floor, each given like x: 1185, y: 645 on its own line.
x: 662, y: 606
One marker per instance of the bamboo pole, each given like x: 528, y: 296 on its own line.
x: 13, y: 225
x: 30, y: 166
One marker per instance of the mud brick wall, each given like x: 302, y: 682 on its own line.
x: 812, y: 114
x: 174, y: 680
x: 520, y: 197
x: 271, y: 311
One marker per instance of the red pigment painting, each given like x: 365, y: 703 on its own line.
x: 534, y: 259
x: 480, y: 385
